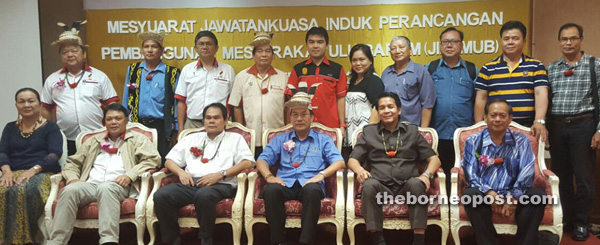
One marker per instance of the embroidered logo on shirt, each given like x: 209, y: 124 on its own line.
x: 304, y: 71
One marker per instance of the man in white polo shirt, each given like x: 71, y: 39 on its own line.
x: 202, y: 82
x: 260, y: 90
x: 74, y: 95
x: 207, y: 164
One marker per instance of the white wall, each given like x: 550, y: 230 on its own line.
x: 20, y: 55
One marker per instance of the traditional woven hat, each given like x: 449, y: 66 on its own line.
x: 261, y: 38
x: 155, y: 36
x: 302, y: 96
x: 70, y: 35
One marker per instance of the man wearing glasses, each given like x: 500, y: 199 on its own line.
x: 574, y: 129
x: 454, y: 80
x: 202, y: 82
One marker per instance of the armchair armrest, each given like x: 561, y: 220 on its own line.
x: 249, y: 200
x: 340, y: 197
x: 557, y: 207
x: 145, y: 187
x: 350, y: 215
x: 54, y: 185
x: 238, y: 201
x: 157, y: 178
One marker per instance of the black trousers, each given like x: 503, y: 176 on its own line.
x: 528, y: 219
x: 310, y: 196
x: 573, y: 156
x: 372, y: 209
x: 169, y: 199
x: 446, y: 154
x: 163, y: 137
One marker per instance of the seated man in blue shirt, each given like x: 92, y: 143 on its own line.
x: 499, y: 162
x: 303, y: 156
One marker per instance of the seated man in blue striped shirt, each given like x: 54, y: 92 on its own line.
x: 499, y: 163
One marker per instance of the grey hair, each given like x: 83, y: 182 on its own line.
x: 396, y: 38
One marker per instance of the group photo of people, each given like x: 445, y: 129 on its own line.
x: 303, y: 150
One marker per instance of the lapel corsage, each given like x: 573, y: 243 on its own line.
x: 486, y: 160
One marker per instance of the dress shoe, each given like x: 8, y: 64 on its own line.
x: 580, y: 233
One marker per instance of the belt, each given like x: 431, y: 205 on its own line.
x: 574, y: 119
x: 197, y: 120
x: 150, y: 121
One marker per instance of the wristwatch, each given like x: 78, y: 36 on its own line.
x: 322, y: 173
x: 541, y: 121
x: 428, y: 175
x: 224, y: 174
x: 37, y: 168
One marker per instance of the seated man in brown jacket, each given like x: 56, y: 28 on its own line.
x: 105, y: 169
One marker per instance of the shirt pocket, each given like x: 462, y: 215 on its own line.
x: 465, y: 88
x: 157, y: 92
x: 221, y: 87
x: 410, y: 89
x: 89, y: 89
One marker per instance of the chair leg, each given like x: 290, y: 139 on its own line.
x: 455, y: 236
x: 249, y: 233
x: 444, y: 234
x: 151, y: 233
x: 340, y: 233
x: 237, y: 233
x: 140, y: 228
x: 351, y: 234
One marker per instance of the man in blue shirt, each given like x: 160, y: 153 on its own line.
x: 411, y: 82
x: 149, y: 91
x: 454, y: 83
x: 499, y: 163
x: 303, y: 156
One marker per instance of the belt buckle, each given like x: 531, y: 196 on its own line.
x: 568, y: 120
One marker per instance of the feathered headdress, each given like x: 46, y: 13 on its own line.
x: 302, y: 97
x: 70, y: 35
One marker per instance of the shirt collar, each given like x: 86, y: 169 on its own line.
x: 508, y: 138
x: 86, y: 67
x: 222, y: 134
x: 254, y: 71
x: 583, y: 57
x: 520, y: 61
x: 460, y: 63
x: 162, y: 67
x: 325, y: 61
x: 311, y: 134
x: 106, y: 137
x: 199, y: 63
x: 410, y: 67
x: 401, y: 125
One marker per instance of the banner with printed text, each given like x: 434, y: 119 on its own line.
x: 112, y: 34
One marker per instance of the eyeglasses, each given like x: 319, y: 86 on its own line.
x: 572, y: 39
x: 207, y: 44
x: 453, y: 42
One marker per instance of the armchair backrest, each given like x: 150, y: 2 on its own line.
x: 334, y: 133
x: 462, y: 134
x: 131, y: 126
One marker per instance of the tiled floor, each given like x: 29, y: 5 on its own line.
x: 326, y: 236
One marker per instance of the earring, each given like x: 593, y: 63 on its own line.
x: 18, y: 119
x: 40, y: 119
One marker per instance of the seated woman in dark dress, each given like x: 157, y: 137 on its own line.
x: 29, y: 152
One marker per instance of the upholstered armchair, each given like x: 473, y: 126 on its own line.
x: 543, y: 179
x: 132, y: 210
x: 228, y: 210
x: 332, y: 206
x: 395, y: 216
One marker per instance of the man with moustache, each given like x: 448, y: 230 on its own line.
x: 74, y: 95
x: 329, y: 100
x: 202, y: 82
x: 149, y: 90
x: 519, y: 79
x: 574, y: 129
x: 454, y: 80
x: 411, y: 82
x: 257, y: 95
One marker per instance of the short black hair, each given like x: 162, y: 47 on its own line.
x: 202, y: 34
x: 460, y: 33
x: 37, y: 95
x: 216, y: 105
x: 115, y: 107
x: 391, y: 95
x: 569, y: 25
x: 514, y: 24
x: 486, y: 110
x: 317, y: 30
